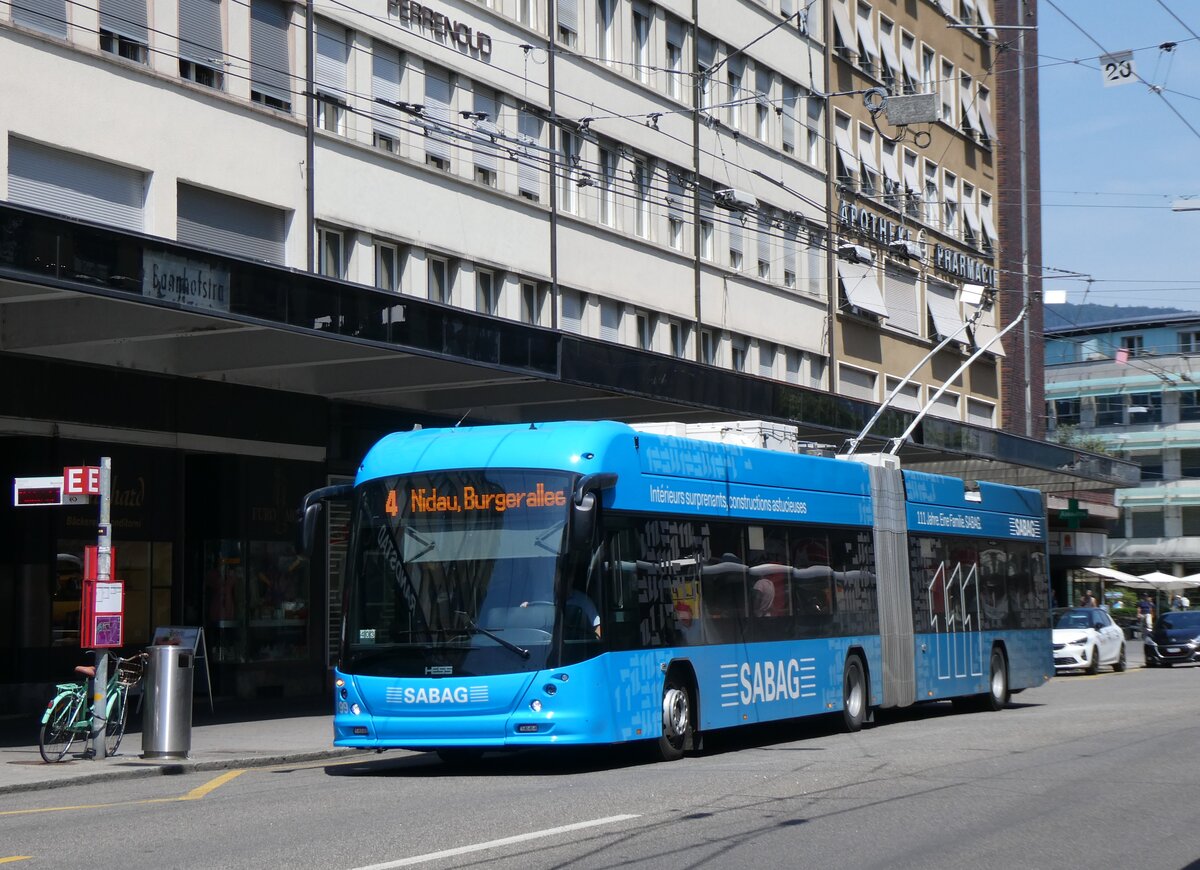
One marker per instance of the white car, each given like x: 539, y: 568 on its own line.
x: 1086, y: 638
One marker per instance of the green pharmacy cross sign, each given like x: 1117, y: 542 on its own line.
x: 1072, y: 515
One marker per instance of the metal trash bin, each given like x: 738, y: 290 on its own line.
x: 167, y: 706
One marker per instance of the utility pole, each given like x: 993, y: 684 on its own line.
x: 103, y: 575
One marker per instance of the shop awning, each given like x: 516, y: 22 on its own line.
x: 861, y: 288
x: 943, y: 308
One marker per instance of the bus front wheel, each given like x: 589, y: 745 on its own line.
x: 854, y: 695
x: 676, y: 719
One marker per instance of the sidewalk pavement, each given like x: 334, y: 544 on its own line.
x: 283, y: 734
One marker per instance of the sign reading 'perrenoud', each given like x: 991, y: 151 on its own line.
x: 458, y: 32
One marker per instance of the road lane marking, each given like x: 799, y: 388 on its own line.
x: 200, y: 791
x: 193, y: 795
x: 494, y: 844
x: 12, y: 858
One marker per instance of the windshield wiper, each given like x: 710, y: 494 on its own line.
x: 507, y: 644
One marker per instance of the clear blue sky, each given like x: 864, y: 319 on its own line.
x: 1114, y: 159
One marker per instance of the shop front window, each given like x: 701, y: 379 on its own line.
x: 257, y: 597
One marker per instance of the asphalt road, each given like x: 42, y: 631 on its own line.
x: 1096, y: 772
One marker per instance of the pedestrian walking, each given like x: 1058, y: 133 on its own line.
x: 1088, y: 599
x: 1145, y: 609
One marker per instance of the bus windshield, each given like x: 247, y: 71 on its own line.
x: 453, y: 573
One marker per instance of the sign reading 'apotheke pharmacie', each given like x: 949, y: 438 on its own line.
x: 420, y: 15
x: 185, y: 281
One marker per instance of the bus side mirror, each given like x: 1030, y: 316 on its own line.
x: 583, y: 521
x: 583, y: 509
x: 310, y: 512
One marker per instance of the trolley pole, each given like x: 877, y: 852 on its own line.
x: 103, y: 575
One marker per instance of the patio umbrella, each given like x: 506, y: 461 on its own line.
x: 1168, y: 582
x: 1130, y: 580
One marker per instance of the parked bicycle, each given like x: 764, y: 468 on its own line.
x: 68, y: 716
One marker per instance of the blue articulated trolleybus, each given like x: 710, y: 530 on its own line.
x: 583, y: 583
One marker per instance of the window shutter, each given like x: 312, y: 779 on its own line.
x: 790, y: 105
x: 230, y: 225
x: 735, y: 235
x: 610, y: 321
x: 124, y: 17
x: 200, y: 32
x: 332, y: 51
x: 270, y: 64
x: 676, y: 198
x: 572, y: 311
x: 568, y: 15
x: 900, y: 297
x: 385, y: 85
x: 791, y: 243
x: 75, y: 185
x: 675, y: 32
x: 485, y: 152
x: 437, y: 113
x: 48, y: 16
x: 528, y: 177
x: 764, y: 236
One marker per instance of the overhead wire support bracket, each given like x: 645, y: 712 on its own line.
x: 896, y: 443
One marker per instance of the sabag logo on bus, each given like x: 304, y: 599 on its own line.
x: 437, y: 695
x: 775, y: 681
x: 1023, y: 527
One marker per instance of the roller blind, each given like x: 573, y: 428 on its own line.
x: 437, y: 113
x: 230, y: 225
x: 385, y: 85
x: 75, y: 185
x: 124, y: 17
x: 200, y: 31
x: 48, y: 16
x: 332, y: 52
x: 270, y: 64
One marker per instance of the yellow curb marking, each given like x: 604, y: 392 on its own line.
x: 193, y: 795
x: 15, y: 858
x: 197, y: 793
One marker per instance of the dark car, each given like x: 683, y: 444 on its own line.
x: 1175, y: 639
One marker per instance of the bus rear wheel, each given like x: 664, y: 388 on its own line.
x: 676, y: 719
x: 996, y: 697
x: 854, y: 695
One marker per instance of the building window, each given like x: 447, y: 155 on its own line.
x: 645, y: 329
x: 708, y: 347
x: 948, y: 83
x: 1148, y: 524
x: 487, y: 294
x: 641, y: 174
x: 201, y: 75
x: 1189, y: 464
x: 568, y: 22
x: 706, y: 239
x: 737, y: 348
x: 330, y: 113
x: 1133, y: 345
x: 1151, y: 465
x: 605, y: 25
x: 735, y: 96
x: 331, y: 253
x: 1110, y: 410
x: 932, y: 203
x: 928, y: 76
x: 675, y: 60
x: 766, y: 359
x: 386, y: 70
x: 1145, y: 408
x: 1066, y: 412
x: 676, y: 226
x: 679, y: 335
x: 950, y: 204
x: 439, y: 280
x: 641, y: 44
x: 569, y: 172
x: 815, y: 115
x: 533, y: 301
x: 123, y: 46
x: 1189, y: 342
x: 527, y: 12
x: 388, y: 266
